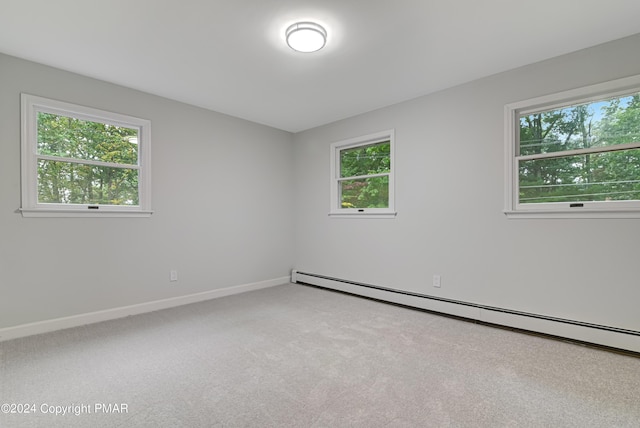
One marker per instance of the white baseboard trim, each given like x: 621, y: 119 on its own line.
x: 125, y: 311
x: 584, y: 332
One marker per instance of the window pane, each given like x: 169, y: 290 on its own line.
x: 366, y: 160
x: 80, y: 139
x: 595, y: 124
x: 609, y: 176
x: 70, y: 183
x: 365, y: 193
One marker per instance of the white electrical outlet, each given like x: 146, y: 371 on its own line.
x: 173, y: 276
x: 436, y: 281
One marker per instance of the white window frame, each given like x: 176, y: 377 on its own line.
x: 31, y: 105
x: 336, y: 209
x: 586, y: 209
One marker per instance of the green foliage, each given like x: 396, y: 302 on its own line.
x: 371, y: 192
x: 64, y: 178
x: 366, y: 193
x: 365, y: 160
x: 588, y: 177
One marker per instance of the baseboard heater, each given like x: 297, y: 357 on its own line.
x: 603, y: 335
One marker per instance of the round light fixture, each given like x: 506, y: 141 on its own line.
x: 306, y: 37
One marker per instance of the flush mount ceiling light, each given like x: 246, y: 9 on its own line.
x: 306, y: 37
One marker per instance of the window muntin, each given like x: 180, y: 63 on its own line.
x: 82, y: 161
x: 362, y: 176
x: 576, y: 153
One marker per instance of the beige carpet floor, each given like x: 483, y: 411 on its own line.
x: 298, y: 356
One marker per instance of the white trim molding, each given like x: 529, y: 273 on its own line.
x: 46, y: 326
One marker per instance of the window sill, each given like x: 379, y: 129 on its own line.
x: 390, y: 214
x: 572, y: 214
x: 82, y: 213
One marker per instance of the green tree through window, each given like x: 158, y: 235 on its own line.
x: 362, y: 176
x: 366, y: 188
x: 569, y: 154
x: 65, y: 142
x: 78, y: 161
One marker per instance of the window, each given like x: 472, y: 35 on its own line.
x: 575, y: 154
x: 78, y: 161
x: 362, y: 176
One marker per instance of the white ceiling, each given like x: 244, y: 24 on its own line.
x: 230, y: 55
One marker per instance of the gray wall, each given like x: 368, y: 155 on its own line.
x: 222, y: 196
x: 233, y: 199
x: 449, y: 198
